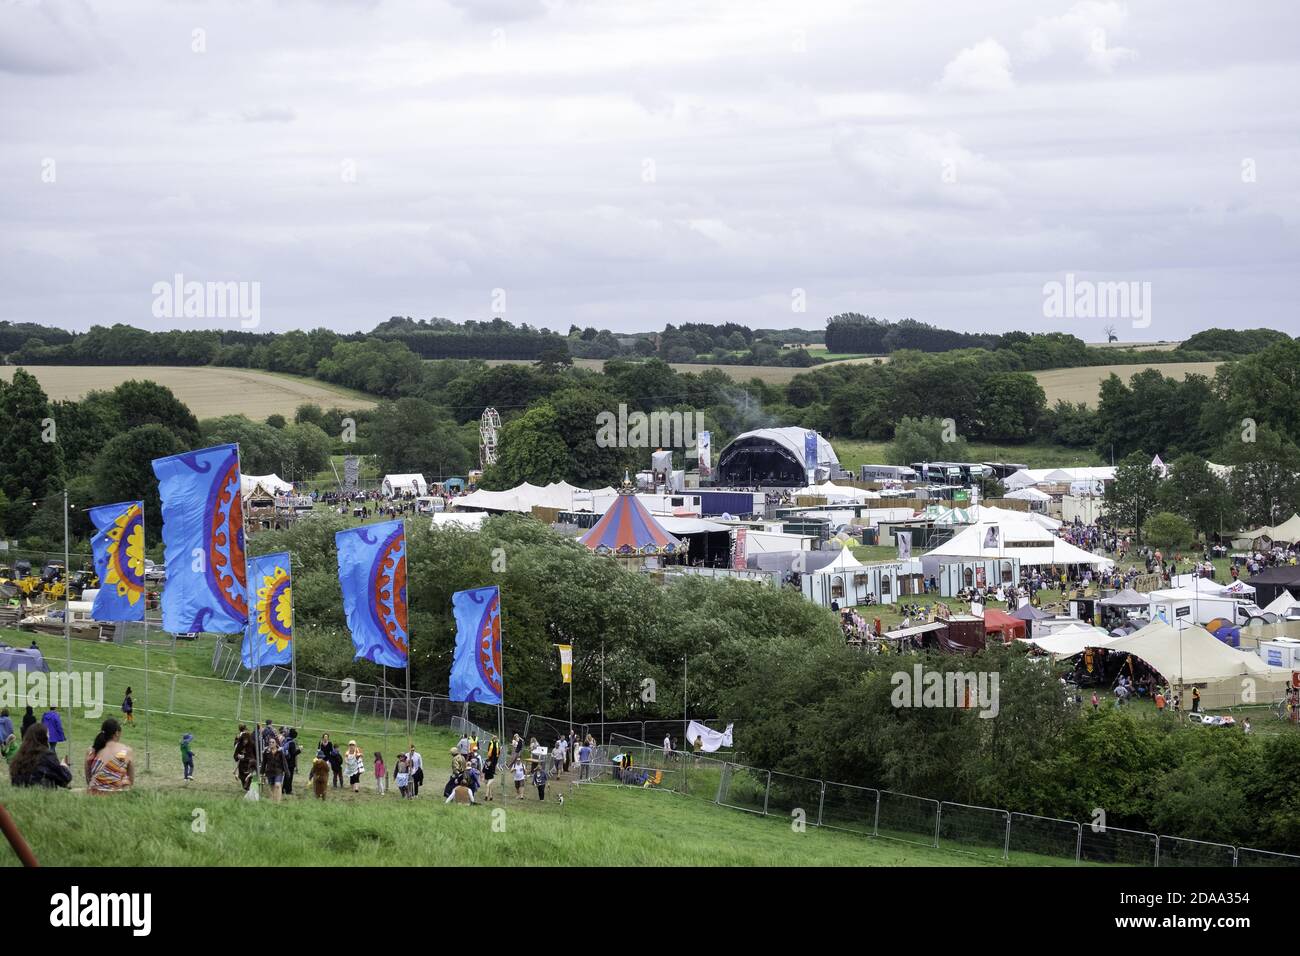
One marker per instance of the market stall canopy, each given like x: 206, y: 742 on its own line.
x: 559, y: 495
x: 1027, y: 612
x: 999, y: 622
x: 469, y: 520
x: 1126, y: 598
x: 1071, y: 640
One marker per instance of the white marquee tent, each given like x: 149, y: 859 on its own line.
x: 1071, y: 640
x: 1195, y: 656
x: 1018, y: 538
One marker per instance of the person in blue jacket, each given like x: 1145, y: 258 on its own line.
x: 54, y: 727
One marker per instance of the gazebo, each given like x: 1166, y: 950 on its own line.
x: 629, y: 531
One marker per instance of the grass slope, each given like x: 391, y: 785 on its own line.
x: 597, y: 825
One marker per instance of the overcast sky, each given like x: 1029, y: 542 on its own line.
x: 625, y: 164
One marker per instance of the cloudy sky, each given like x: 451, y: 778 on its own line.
x: 629, y: 164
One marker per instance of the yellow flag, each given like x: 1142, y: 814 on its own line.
x: 566, y: 662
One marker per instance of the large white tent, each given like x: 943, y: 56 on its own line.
x: 838, y: 493
x: 1018, y: 538
x: 1281, y: 604
x: 524, y: 498
x: 1195, y: 656
x: 1028, y: 477
x: 250, y: 485
x: 1029, y: 493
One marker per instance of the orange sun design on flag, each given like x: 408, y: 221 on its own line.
x: 275, y: 609
x: 125, y: 570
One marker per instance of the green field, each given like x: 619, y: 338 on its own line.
x: 597, y: 825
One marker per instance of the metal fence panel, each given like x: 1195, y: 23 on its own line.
x: 1116, y: 846
x: 1176, y: 851
x: 1246, y: 856
x: 846, y: 807
x: 979, y: 830
x: 743, y: 788
x: 787, y: 793
x: 907, y: 818
x: 1043, y: 840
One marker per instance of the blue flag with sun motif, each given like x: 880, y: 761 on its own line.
x: 372, y: 573
x: 476, y: 669
x: 269, y: 636
x: 118, y: 549
x: 203, y: 541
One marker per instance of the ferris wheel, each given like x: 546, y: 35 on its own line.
x: 488, y: 426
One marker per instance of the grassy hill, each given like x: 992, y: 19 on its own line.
x: 597, y: 825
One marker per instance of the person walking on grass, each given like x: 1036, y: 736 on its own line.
x: 54, y: 727
x: 128, y: 707
x: 417, y: 769
x: 381, y: 774
x: 319, y: 775
x: 187, y: 756
x: 355, y: 765
x: 245, y: 757
x: 490, y: 767
x: 539, y: 781
x: 517, y: 770
x: 584, y: 761
x: 273, y: 766
x: 291, y: 751
x: 402, y: 776
x: 28, y: 719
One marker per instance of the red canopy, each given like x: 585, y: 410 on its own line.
x: 999, y: 622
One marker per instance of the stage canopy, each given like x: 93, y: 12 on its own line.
x: 1031, y: 543
x: 269, y: 485
x: 773, y: 456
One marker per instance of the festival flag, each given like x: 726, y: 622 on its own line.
x: 203, y: 541
x: 270, y: 628
x: 372, y: 573
x: 566, y: 662
x: 476, y: 669
x: 118, y: 548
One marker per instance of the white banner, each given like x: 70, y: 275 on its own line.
x: 704, y: 454
x: 710, y: 740
x: 904, y: 539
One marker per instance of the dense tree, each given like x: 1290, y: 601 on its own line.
x: 1196, y: 494
x: 31, y: 457
x: 124, y: 470
x: 1166, y: 530
x: 926, y: 439
x: 1131, y: 497
x: 411, y: 435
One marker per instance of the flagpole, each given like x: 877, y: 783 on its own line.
x: 406, y: 555
x: 67, y: 618
x: 248, y: 630
x: 293, y: 651
x: 602, y: 690
x: 144, y: 617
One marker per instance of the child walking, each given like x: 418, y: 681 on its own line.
x: 381, y: 774
x: 187, y: 755
x: 402, y: 776
x: 128, y: 707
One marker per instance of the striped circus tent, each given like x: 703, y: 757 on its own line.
x: 628, y: 528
